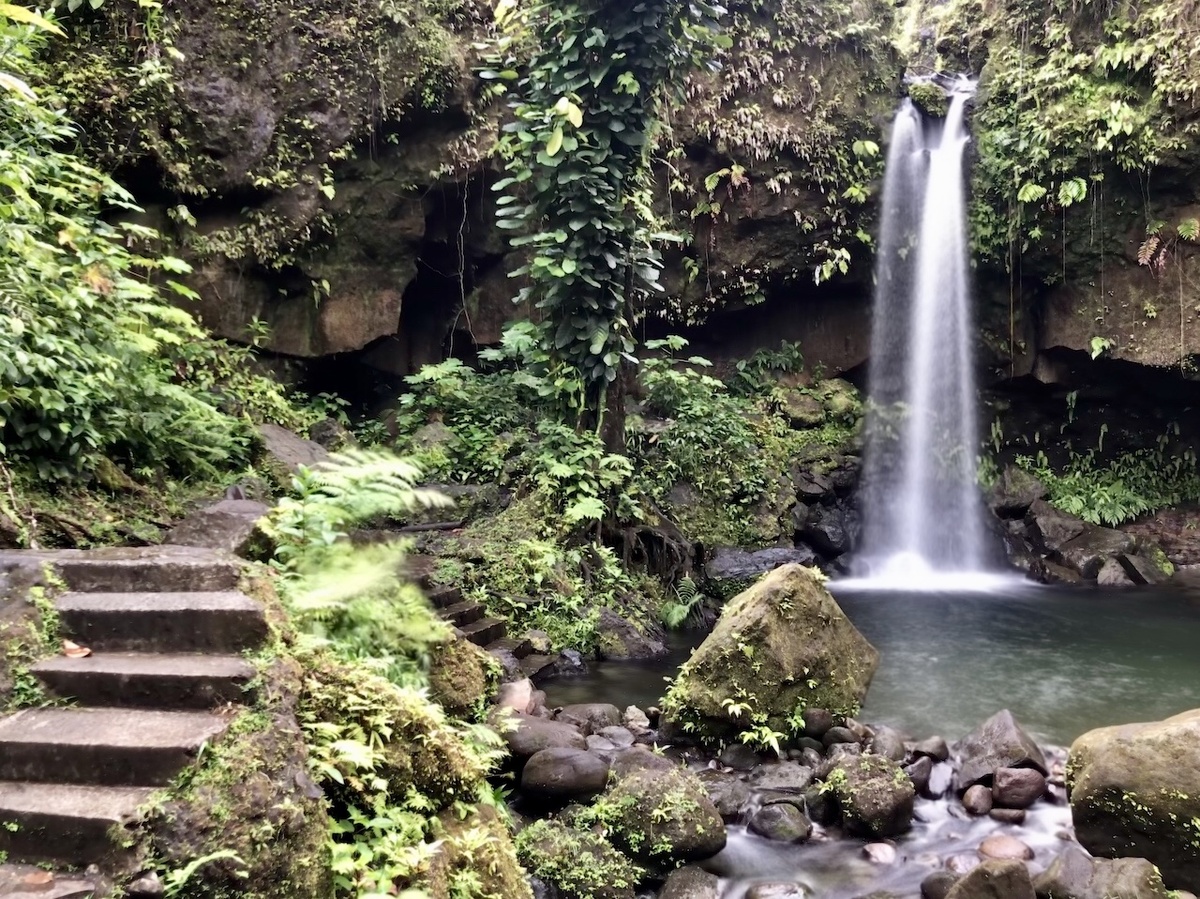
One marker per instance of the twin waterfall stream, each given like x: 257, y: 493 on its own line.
x: 923, y: 522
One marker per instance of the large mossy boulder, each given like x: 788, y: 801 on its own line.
x: 1135, y: 792
x: 1076, y: 875
x: 780, y: 647
x: 874, y: 795
x: 580, y: 864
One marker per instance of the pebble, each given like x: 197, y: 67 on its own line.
x: 1002, y: 846
x: 777, y: 891
x: 880, y: 853
x: 962, y: 863
x: 978, y: 800
x: 1008, y: 815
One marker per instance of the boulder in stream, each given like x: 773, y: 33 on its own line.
x: 999, y: 742
x: 874, y: 794
x: 1076, y: 875
x: 731, y: 570
x: 1135, y: 792
x: 661, y: 818
x: 994, y: 880
x: 779, y: 648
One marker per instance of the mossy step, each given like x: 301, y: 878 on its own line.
x: 149, y: 680
x: 72, y: 825
x: 520, y: 647
x: 149, y: 568
x: 103, y: 747
x: 164, y: 622
x: 463, y: 613
x: 484, y: 631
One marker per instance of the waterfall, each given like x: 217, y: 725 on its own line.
x: 921, y: 506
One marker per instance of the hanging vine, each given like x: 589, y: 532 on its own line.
x: 595, y: 78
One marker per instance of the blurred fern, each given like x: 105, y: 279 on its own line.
x: 685, y: 607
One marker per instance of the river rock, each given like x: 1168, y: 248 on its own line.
x: 789, y: 775
x: 836, y: 735
x: 1142, y: 568
x: 938, y: 884
x: 817, y: 723
x: 589, y: 717
x: 935, y: 747
x: 532, y: 735
x: 1112, y: 574
x: 1014, y: 492
x: 825, y: 530
x: 782, y: 822
x: 880, y: 853
x: 875, y: 796
x: 664, y: 817
x: 801, y: 652
x: 1135, y: 789
x: 640, y: 758
x: 620, y: 639
x: 888, y: 743
x: 777, y: 890
x: 802, y: 409
x: 1076, y: 875
x: 1088, y: 552
x: 1002, y: 846
x: 739, y: 757
x: 290, y: 450
x: 516, y: 695
x: 690, y: 883
x: 621, y: 737
x: 994, y: 880
x: 1015, y: 816
x: 728, y: 793
x: 821, y: 804
x: 1049, y: 529
x: 731, y: 570
x: 977, y: 800
x: 920, y: 772
x: 997, y: 743
x: 635, y: 720
x: 564, y: 774
x: 1017, y: 787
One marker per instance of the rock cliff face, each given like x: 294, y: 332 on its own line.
x: 325, y: 165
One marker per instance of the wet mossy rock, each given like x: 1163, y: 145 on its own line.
x: 462, y: 677
x: 477, y: 849
x: 1135, y: 792
x: 252, y: 796
x: 930, y: 98
x: 780, y: 647
x: 581, y: 864
x: 662, y: 817
x: 875, y: 796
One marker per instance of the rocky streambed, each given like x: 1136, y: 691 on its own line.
x: 626, y: 803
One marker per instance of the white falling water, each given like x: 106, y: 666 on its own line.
x: 922, y: 512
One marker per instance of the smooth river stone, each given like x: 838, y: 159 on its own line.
x: 978, y: 800
x: 1018, y: 787
x: 1002, y: 846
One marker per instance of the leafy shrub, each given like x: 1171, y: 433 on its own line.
x: 1118, y: 490
x: 88, y: 343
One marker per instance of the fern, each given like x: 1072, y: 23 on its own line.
x: 684, y: 607
x: 351, y: 486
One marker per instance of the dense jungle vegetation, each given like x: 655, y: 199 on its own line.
x: 625, y: 138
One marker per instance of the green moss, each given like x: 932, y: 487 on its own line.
x: 581, y: 863
x: 930, y: 98
x: 462, y: 678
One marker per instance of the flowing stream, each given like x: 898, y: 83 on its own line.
x: 921, y: 506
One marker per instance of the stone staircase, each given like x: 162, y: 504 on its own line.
x: 166, y: 626
x: 471, y: 620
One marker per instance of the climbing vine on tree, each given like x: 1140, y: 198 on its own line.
x: 588, y: 109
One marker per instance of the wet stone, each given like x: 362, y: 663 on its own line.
x: 782, y: 822
x: 919, y: 773
x: 978, y: 800
x: 1008, y: 815
x: 1002, y: 846
x: 1017, y: 787
x: 838, y: 735
x: 777, y: 890
x: 726, y: 792
x: 739, y: 757
x: 888, y: 743
x: 935, y: 748
x: 937, y: 885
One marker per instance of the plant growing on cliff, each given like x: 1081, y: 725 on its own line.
x: 588, y: 111
x: 88, y: 341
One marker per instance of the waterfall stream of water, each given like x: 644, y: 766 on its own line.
x: 922, y: 514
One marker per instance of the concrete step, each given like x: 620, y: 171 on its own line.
x: 520, y: 647
x: 149, y: 680
x: 441, y: 597
x: 70, y: 824
x: 163, y: 622
x: 463, y: 613
x: 102, y: 747
x: 484, y: 631
x: 149, y: 568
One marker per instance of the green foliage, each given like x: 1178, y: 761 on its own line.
x: 1070, y: 99
x: 89, y: 345
x: 581, y: 863
x: 1114, y: 491
x: 684, y: 607
x: 578, y: 158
